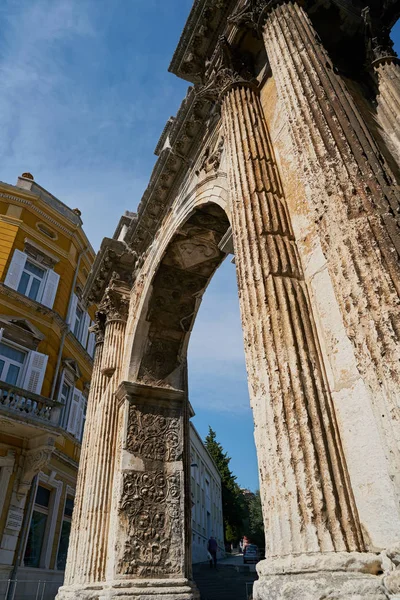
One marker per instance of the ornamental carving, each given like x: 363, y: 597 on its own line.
x: 34, y: 462
x: 150, y: 507
x: 379, y: 46
x: 227, y: 68
x: 98, y: 328
x: 211, y: 160
x: 154, y: 434
x: 249, y: 14
x: 115, y: 302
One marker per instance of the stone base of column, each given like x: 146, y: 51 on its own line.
x: 135, y: 589
x: 330, y: 576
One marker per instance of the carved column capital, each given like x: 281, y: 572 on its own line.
x: 226, y: 69
x: 253, y: 14
x: 379, y: 46
x: 115, y: 302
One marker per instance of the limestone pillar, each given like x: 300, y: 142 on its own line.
x: 354, y: 202
x: 313, y: 537
x: 90, y: 524
x: 149, y: 547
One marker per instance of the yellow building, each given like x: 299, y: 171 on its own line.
x: 46, y: 353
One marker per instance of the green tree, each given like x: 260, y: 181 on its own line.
x: 256, y: 522
x: 232, y: 500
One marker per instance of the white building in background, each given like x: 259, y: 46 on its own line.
x: 207, y: 518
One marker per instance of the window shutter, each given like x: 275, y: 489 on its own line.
x: 72, y: 311
x: 50, y: 288
x: 91, y: 342
x: 15, y: 269
x: 35, y: 370
x: 60, y: 385
x: 80, y: 419
x: 74, y: 412
x: 85, y: 329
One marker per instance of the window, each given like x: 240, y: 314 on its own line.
x: 37, y: 529
x: 32, y: 280
x: 11, y: 364
x: 65, y: 533
x: 79, y: 322
x: 76, y: 414
x: 65, y: 392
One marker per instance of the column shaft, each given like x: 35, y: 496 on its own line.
x: 92, y: 564
x: 307, y: 504
x: 84, y: 480
x: 387, y: 75
x: 88, y: 550
x: 355, y: 206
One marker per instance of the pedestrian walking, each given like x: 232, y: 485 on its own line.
x: 212, y: 547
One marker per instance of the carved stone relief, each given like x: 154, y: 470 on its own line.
x: 151, y: 501
x: 150, y: 505
x: 154, y: 434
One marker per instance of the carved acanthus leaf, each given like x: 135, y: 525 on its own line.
x: 115, y: 303
x: 227, y: 68
x: 378, y: 45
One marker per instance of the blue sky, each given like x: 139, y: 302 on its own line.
x: 85, y: 95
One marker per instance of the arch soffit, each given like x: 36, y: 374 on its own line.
x: 140, y: 328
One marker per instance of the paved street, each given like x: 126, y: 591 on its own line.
x: 228, y: 582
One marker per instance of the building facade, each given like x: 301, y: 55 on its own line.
x: 46, y: 357
x: 205, y: 487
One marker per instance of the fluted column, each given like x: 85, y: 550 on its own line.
x: 354, y: 201
x: 306, y: 501
x: 87, y: 559
x: 387, y: 73
x: 310, y: 519
x: 97, y: 386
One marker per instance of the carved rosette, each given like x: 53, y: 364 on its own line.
x: 151, y: 503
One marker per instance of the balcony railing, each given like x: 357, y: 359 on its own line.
x: 22, y: 402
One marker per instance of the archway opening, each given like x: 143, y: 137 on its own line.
x: 195, y: 260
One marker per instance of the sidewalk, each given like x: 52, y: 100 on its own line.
x: 231, y: 581
x: 236, y: 560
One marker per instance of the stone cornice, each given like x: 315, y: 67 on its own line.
x: 114, y: 256
x: 206, y: 22
x: 183, y: 135
x: 141, y: 391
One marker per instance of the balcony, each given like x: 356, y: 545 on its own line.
x: 23, y: 408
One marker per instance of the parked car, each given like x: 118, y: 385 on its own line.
x: 251, y: 554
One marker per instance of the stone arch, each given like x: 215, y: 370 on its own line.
x: 179, y: 267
